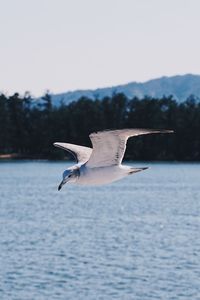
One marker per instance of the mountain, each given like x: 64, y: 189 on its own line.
x: 180, y: 86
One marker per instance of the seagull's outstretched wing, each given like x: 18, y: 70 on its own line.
x: 109, y: 146
x: 80, y: 153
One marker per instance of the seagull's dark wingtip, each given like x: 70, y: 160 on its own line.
x: 145, y: 168
x: 166, y: 131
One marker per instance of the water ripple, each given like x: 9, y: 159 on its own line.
x: 135, y: 239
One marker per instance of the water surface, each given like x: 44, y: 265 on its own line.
x: 138, y: 238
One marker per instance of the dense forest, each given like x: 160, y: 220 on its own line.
x: 28, y: 127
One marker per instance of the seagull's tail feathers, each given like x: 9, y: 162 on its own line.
x: 135, y: 170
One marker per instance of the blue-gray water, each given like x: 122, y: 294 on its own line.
x: 138, y: 238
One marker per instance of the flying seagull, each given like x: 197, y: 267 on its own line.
x: 103, y: 163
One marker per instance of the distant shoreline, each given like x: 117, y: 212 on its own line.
x: 18, y: 157
x: 15, y: 157
x: 8, y: 156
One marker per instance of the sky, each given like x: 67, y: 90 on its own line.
x: 62, y: 45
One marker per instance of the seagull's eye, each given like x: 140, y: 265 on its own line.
x: 70, y: 176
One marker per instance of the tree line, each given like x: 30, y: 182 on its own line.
x: 28, y: 127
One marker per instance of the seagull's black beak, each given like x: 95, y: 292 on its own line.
x: 60, y: 186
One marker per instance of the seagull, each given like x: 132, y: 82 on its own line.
x: 103, y: 163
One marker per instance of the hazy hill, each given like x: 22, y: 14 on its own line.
x: 180, y: 86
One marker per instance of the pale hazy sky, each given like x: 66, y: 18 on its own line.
x: 64, y: 45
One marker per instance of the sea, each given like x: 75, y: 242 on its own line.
x: 137, y: 239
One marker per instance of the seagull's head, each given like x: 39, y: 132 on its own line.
x: 69, y: 175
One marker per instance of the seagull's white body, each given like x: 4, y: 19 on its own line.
x: 101, y: 175
x: 102, y: 164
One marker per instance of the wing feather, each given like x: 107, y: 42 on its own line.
x: 80, y: 153
x: 109, y: 146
